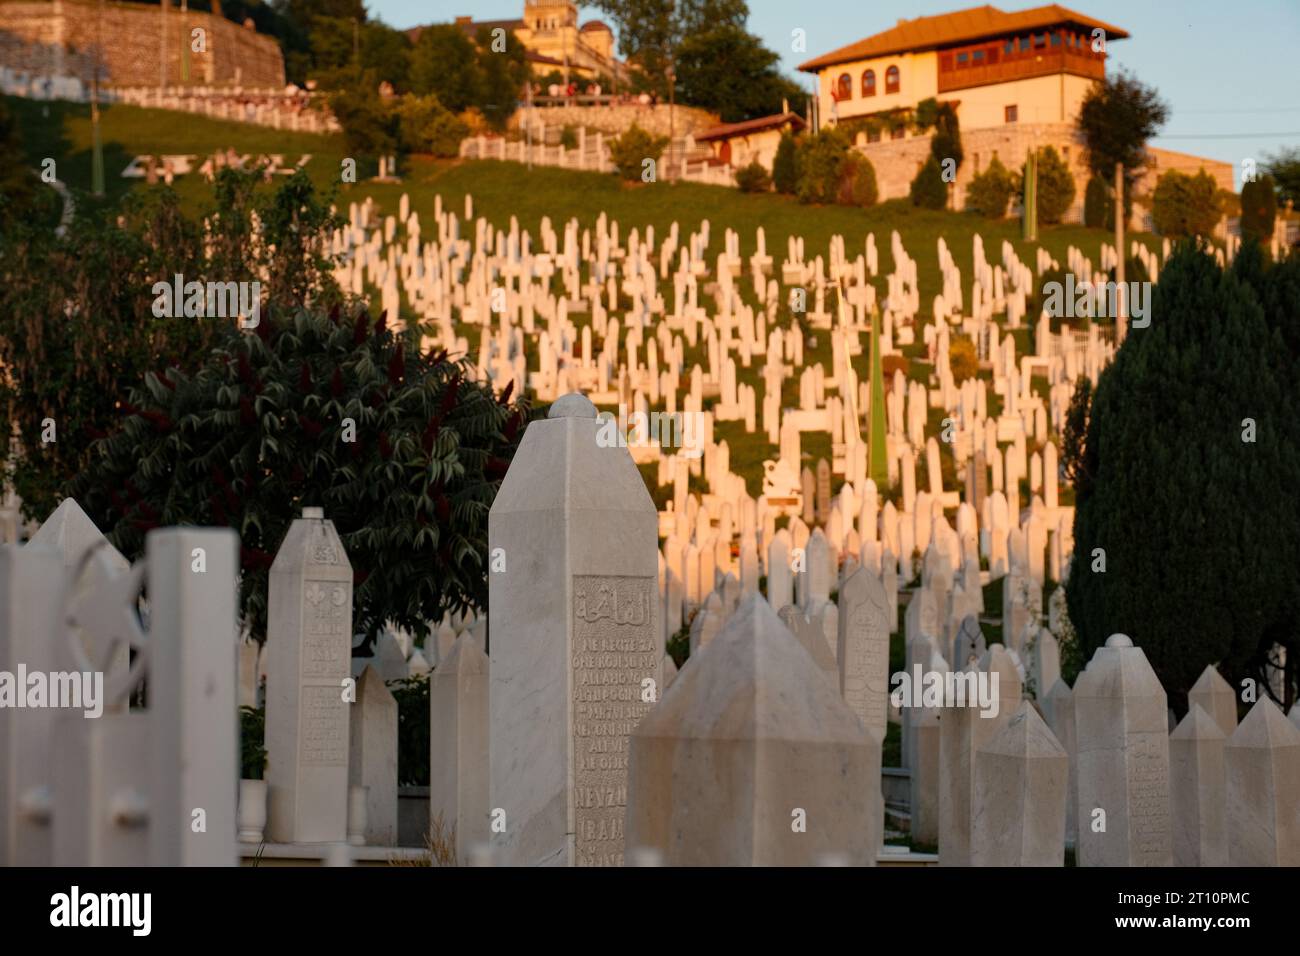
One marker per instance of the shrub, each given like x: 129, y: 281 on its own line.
x: 425, y: 127
x: 1165, y: 458
x: 403, y: 450
x: 412, y: 696
x: 1055, y: 186
x: 1184, y: 206
x: 785, y: 166
x: 753, y: 178
x: 857, y: 181
x: 962, y: 358
x: 991, y: 191
x: 1098, y: 204
x: 252, y: 742
x: 569, y: 137
x: 820, y: 159
x: 1258, y: 210
x: 929, y: 191
x: 630, y: 151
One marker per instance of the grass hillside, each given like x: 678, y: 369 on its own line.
x: 505, y: 189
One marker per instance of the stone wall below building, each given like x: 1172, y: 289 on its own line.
x: 67, y: 37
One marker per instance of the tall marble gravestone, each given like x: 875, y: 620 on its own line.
x: 752, y: 758
x: 1263, y: 767
x: 1021, y: 776
x: 70, y: 532
x: 1197, y: 790
x: 576, y: 658
x: 864, y: 649
x: 458, y: 746
x: 372, y: 755
x: 1121, y: 728
x: 309, y: 650
x: 31, y: 614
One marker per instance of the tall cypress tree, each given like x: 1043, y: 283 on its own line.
x: 1188, y: 483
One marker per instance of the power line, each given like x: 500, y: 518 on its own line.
x: 1221, y: 135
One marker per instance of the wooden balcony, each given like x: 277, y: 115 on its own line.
x: 1044, y: 62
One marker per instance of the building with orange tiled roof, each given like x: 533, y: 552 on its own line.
x: 1017, y: 81
x: 1032, y: 66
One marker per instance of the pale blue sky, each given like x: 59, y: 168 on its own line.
x: 1228, y: 70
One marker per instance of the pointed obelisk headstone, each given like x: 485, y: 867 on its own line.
x: 458, y: 746
x: 1019, y: 800
x: 1215, y: 696
x: 70, y: 532
x: 1197, y: 790
x: 575, y: 637
x: 309, y: 651
x: 753, y: 759
x: 1122, y: 732
x: 1263, y: 768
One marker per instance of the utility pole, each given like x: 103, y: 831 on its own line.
x: 162, y: 58
x: 185, y: 42
x: 1121, y: 311
x: 97, y: 145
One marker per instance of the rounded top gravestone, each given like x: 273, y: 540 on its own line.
x: 1119, y: 640
x: 573, y: 405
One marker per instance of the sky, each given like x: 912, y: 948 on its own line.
x: 1227, y: 70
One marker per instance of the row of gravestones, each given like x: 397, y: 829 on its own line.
x: 752, y: 755
x: 569, y: 748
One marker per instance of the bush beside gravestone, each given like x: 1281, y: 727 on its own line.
x: 1183, y: 206
x: 929, y: 191
x: 753, y: 178
x: 636, y: 154
x: 991, y: 190
x: 785, y: 166
x: 857, y: 181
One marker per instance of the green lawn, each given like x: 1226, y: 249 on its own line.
x: 505, y: 189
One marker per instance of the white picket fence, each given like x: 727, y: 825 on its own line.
x: 152, y: 785
x: 592, y: 154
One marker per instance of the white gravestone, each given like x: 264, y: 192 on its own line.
x: 1121, y: 729
x: 1263, y: 768
x: 1197, y: 790
x: 372, y: 755
x: 752, y: 758
x: 458, y: 746
x: 575, y: 638
x: 1021, y: 776
x: 309, y: 646
x: 864, y: 649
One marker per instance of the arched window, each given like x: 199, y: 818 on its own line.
x: 844, y: 88
x: 891, y: 80
x: 869, y: 83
